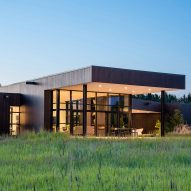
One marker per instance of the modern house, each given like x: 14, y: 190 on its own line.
x: 94, y: 101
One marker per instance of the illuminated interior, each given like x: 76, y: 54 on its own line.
x: 108, y: 113
x: 105, y: 111
x: 119, y: 88
x: 108, y: 109
x: 14, y: 127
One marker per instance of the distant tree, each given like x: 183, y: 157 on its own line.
x: 177, y: 118
x: 169, y: 98
x: 189, y: 98
x: 173, y: 120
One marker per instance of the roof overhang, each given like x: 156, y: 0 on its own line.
x: 114, y: 80
x: 137, y: 78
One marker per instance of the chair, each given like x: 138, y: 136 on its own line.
x: 137, y: 132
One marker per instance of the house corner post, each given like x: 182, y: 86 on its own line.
x: 130, y: 110
x: 84, y: 109
x: 162, y: 132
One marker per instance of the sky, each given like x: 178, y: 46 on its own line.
x: 43, y: 37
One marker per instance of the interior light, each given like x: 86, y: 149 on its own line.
x: 100, y: 86
x: 149, y: 89
x: 110, y: 89
x: 133, y: 91
x: 125, y: 88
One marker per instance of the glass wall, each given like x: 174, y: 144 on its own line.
x: 91, y: 113
x: 14, y: 125
x: 107, y: 113
x: 64, y: 114
x: 54, y: 107
x: 77, y: 112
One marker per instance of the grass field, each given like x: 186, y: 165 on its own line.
x: 53, y: 162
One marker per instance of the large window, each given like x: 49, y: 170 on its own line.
x: 106, y: 112
x: 60, y: 113
x: 54, y: 107
x: 64, y: 114
x: 14, y: 125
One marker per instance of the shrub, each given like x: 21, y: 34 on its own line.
x: 158, y: 127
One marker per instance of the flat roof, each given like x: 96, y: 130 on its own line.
x: 119, y: 78
x: 136, y: 77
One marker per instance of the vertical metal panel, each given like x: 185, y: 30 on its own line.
x: 48, y: 101
x: 162, y: 113
x: 107, y: 116
x: 130, y: 122
x: 57, y: 110
x: 67, y: 110
x: 96, y: 132
x: 84, y: 109
x: 118, y: 113
x: 5, y: 115
x: 71, y: 115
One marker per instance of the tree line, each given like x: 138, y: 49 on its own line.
x: 169, y: 98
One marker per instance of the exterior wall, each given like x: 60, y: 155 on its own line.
x: 169, y: 107
x: 135, y: 77
x: 33, y: 95
x: 147, y: 121
x: 48, y: 102
x: 7, y: 100
x: 146, y: 105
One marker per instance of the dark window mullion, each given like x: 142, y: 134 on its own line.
x: 57, y: 109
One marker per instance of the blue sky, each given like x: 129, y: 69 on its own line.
x: 41, y: 37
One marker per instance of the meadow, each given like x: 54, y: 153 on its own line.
x: 56, y: 162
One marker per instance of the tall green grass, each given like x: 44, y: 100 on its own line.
x: 55, y: 162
